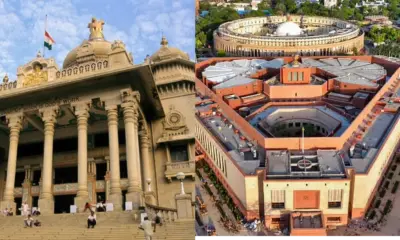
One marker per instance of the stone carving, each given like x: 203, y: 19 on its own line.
x: 117, y: 44
x: 174, y: 123
x: 35, y: 190
x: 60, y: 188
x: 100, y: 185
x: 96, y: 29
x: 18, y: 191
x: 38, y: 76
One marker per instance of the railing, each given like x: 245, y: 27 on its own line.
x: 168, y: 214
x: 187, y: 167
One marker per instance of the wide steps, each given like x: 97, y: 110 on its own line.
x: 110, y: 226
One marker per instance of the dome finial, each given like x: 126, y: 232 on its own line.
x: 5, y: 79
x: 164, y: 41
x: 38, y: 54
x: 96, y: 29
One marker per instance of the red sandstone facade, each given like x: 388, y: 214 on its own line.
x: 300, y: 94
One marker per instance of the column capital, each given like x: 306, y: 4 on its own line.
x: 82, y: 108
x: 14, y: 120
x: 128, y: 95
x: 49, y: 114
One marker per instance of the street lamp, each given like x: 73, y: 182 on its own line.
x: 180, y: 176
x: 148, y: 181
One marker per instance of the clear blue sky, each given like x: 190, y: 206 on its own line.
x: 138, y: 23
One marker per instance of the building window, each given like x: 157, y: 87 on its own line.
x: 334, y: 204
x: 295, y: 76
x: 290, y: 125
x: 290, y: 76
x: 278, y: 199
x: 297, y: 124
x: 278, y: 205
x: 333, y: 219
x: 179, y: 153
x: 301, y: 76
x: 275, y: 221
x: 335, y: 198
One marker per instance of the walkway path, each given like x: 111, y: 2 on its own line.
x: 215, y: 215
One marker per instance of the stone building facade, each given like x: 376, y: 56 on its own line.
x: 325, y: 36
x: 100, y: 128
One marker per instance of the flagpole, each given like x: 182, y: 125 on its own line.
x: 45, y: 29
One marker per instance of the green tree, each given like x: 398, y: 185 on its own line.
x: 264, y: 5
x: 280, y: 9
x: 221, y: 53
x: 355, y: 51
x: 291, y: 6
x: 201, y: 40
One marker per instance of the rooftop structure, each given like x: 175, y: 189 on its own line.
x: 313, y: 130
x: 287, y: 35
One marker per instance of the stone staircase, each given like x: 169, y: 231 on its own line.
x: 110, y: 225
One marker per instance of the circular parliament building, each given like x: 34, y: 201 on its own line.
x: 286, y: 36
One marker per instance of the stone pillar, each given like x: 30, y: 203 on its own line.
x: 46, y: 200
x: 130, y: 107
x: 91, y: 179
x: 107, y: 185
x: 82, y: 114
x: 184, y: 207
x: 147, y: 170
x: 15, y: 125
x: 115, y: 196
x: 26, y: 186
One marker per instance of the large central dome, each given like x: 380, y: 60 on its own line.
x: 288, y: 29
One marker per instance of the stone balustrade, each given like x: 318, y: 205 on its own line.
x: 187, y: 167
x: 82, y: 69
x: 168, y: 214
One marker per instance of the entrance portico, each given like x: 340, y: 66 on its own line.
x: 126, y: 103
x: 99, y: 129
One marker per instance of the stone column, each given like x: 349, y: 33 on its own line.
x: 82, y: 114
x: 147, y: 170
x: 91, y: 178
x: 46, y: 200
x: 26, y: 186
x: 107, y: 186
x: 15, y: 125
x: 115, y: 196
x: 130, y: 107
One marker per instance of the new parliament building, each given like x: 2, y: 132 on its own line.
x: 302, y: 142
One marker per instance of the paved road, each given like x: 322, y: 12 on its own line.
x: 214, y: 215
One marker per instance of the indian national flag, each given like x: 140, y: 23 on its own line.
x: 48, y: 40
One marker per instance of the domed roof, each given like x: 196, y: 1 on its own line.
x: 288, y: 29
x: 96, y: 45
x: 165, y: 52
x: 100, y: 49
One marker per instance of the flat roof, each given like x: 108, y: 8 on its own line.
x: 282, y: 164
x: 232, y: 143
x: 364, y: 153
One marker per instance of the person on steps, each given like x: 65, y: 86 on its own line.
x: 28, y: 221
x: 91, y: 222
x: 158, y: 220
x: 147, y: 227
x: 25, y: 209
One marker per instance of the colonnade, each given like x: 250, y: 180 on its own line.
x: 134, y: 153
